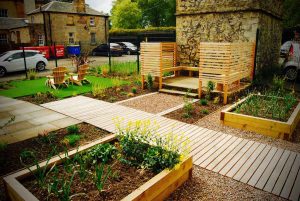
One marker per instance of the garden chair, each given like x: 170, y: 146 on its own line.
x: 58, y: 78
x: 79, y: 78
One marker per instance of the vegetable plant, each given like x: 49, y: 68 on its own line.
x: 101, y: 175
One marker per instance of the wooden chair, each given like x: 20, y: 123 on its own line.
x: 58, y: 78
x: 79, y: 78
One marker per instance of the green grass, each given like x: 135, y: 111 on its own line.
x: 30, y: 87
x: 124, y: 68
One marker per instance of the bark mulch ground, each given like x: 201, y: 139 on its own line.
x: 199, y: 111
x: 155, y: 103
x: 126, y: 179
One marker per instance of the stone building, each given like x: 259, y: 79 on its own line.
x: 69, y: 23
x: 229, y: 21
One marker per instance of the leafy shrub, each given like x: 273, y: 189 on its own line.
x: 116, y: 82
x: 188, y: 106
x: 142, y: 146
x: 32, y: 74
x: 210, y: 87
x: 46, y: 137
x: 278, y: 83
x: 27, y: 155
x: 216, y: 100
x: 73, y: 129
x: 102, y: 152
x: 203, y: 102
x: 166, y: 74
x: 149, y: 82
x: 71, y: 139
x: 118, y: 31
x: 204, y: 111
x: 134, y: 90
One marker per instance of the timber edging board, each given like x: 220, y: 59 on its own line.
x: 159, y: 187
x: 268, y: 127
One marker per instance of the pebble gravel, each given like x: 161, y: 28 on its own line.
x: 155, y: 103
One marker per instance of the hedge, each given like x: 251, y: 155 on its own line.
x: 114, y: 32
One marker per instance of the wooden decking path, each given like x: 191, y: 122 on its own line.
x: 265, y: 167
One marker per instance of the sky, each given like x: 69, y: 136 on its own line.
x: 100, y: 5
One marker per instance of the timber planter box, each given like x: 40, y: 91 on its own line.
x: 158, y: 187
x: 265, y: 126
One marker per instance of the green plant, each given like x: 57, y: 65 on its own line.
x: 116, y: 82
x: 134, y: 90
x: 71, y: 139
x: 123, y: 93
x: 3, y: 146
x: 98, y: 90
x: 142, y: 146
x: 101, y: 153
x: 203, y: 102
x: 40, y: 173
x: 188, y: 105
x: 149, y: 82
x: 216, y: 100
x: 101, y: 175
x: 32, y: 74
x: 210, y: 87
x: 166, y: 74
x: 204, y: 111
x: 27, y: 155
x: 112, y: 99
x: 73, y: 129
x: 81, y: 166
x: 278, y: 83
x: 46, y: 137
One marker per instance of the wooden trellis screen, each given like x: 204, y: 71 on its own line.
x: 155, y: 57
x: 225, y: 63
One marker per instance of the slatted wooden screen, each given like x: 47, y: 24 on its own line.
x: 225, y: 63
x: 156, y: 56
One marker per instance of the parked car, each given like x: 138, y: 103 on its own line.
x: 12, y: 61
x: 103, y: 50
x: 128, y: 48
x: 290, y: 51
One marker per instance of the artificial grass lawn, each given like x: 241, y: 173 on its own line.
x: 30, y: 87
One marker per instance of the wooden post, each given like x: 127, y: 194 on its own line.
x: 160, y: 66
x: 190, y: 73
x: 143, y: 81
x: 160, y: 82
x: 253, y: 61
x: 225, y: 96
x: 200, y: 89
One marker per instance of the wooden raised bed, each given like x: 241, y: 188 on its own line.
x: 268, y: 127
x: 157, y: 188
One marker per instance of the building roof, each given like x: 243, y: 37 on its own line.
x: 65, y: 7
x: 11, y: 23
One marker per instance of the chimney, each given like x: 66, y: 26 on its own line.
x: 79, y: 5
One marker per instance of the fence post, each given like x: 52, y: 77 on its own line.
x: 54, y: 47
x: 255, y: 54
x: 109, y: 55
x: 138, y: 54
x: 24, y: 57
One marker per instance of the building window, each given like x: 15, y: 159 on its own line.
x: 70, y: 20
x: 71, y: 38
x: 92, y: 21
x: 3, y: 13
x: 93, y: 38
x: 41, y: 41
x: 3, y: 39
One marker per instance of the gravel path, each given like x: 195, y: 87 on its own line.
x: 155, y: 103
x: 207, y: 185
x: 213, y: 122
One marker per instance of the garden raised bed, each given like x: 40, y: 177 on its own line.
x: 157, y: 188
x: 265, y: 126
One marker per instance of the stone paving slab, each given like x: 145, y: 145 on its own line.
x: 30, y: 120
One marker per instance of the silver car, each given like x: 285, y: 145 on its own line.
x: 290, y: 50
x: 12, y: 61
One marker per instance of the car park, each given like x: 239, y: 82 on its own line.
x: 12, y: 61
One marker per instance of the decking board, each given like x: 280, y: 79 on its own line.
x: 263, y: 166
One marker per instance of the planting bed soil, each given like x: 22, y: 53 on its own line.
x: 41, y: 147
x: 115, y: 94
x: 155, y: 103
x: 41, y: 99
x: 207, y: 185
x: 198, y: 112
x: 125, y: 181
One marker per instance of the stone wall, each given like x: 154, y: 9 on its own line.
x: 228, y: 21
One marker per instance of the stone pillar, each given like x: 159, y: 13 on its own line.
x: 229, y: 21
